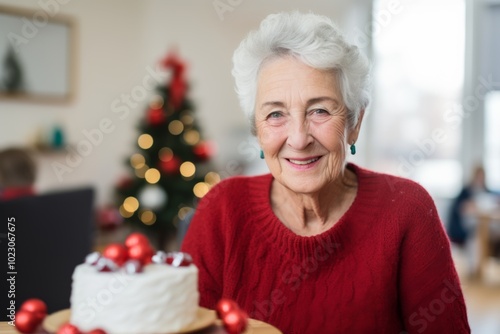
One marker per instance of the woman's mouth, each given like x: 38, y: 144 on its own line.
x: 303, y: 162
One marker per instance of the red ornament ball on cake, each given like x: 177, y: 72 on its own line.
x: 68, y: 329
x: 116, y: 252
x: 35, y: 306
x: 141, y: 252
x: 26, y: 321
x: 135, y: 239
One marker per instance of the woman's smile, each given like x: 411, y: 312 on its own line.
x: 303, y: 163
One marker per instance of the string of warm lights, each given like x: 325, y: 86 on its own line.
x: 152, y: 175
x: 152, y: 197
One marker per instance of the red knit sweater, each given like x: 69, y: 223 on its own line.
x: 384, y: 267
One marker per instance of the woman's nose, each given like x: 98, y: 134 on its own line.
x: 299, y: 136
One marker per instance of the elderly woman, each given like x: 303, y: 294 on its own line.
x: 320, y: 245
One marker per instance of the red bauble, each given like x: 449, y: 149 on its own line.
x: 135, y: 239
x: 156, y: 117
x: 35, y: 306
x: 68, y: 329
x: 97, y: 331
x: 171, y: 166
x: 116, y: 252
x: 203, y: 151
x: 235, y: 321
x: 225, y: 306
x: 178, y: 89
x: 142, y: 253
x: 26, y: 321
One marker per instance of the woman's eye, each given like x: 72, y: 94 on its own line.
x: 274, y: 114
x: 320, y: 112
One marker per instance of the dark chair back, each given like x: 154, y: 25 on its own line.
x: 53, y: 234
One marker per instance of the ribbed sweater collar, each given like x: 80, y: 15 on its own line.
x: 269, y: 228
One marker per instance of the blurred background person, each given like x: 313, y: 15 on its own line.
x: 17, y: 173
x: 474, y: 199
x: 465, y: 204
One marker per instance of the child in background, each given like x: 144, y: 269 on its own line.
x: 17, y: 173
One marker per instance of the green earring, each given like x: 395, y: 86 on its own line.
x: 261, y: 154
x: 353, y: 149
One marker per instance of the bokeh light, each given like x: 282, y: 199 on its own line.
x: 187, y: 169
x: 152, y: 175
x: 145, y: 141
x: 176, y: 127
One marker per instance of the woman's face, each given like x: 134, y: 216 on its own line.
x: 301, y: 124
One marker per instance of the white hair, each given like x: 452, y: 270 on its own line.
x: 315, y: 40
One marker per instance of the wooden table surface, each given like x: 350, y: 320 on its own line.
x: 254, y: 327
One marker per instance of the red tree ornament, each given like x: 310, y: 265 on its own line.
x: 135, y: 239
x: 171, y: 166
x: 26, y: 321
x: 116, y: 252
x: 203, y: 151
x: 173, y: 62
x: 178, y: 86
x: 35, y: 306
x: 68, y: 329
x: 156, y: 116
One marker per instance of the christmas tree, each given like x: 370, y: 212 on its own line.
x: 170, y: 170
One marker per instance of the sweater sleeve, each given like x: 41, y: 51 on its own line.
x: 430, y: 293
x: 204, y: 242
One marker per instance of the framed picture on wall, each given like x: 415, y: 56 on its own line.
x: 36, y: 55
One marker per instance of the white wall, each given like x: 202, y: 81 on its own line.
x: 117, y: 41
x: 109, y: 61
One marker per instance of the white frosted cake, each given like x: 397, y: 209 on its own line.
x: 160, y: 299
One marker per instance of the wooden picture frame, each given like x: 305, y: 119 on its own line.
x: 37, y: 55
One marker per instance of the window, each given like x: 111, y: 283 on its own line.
x: 492, y: 140
x: 418, y: 81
